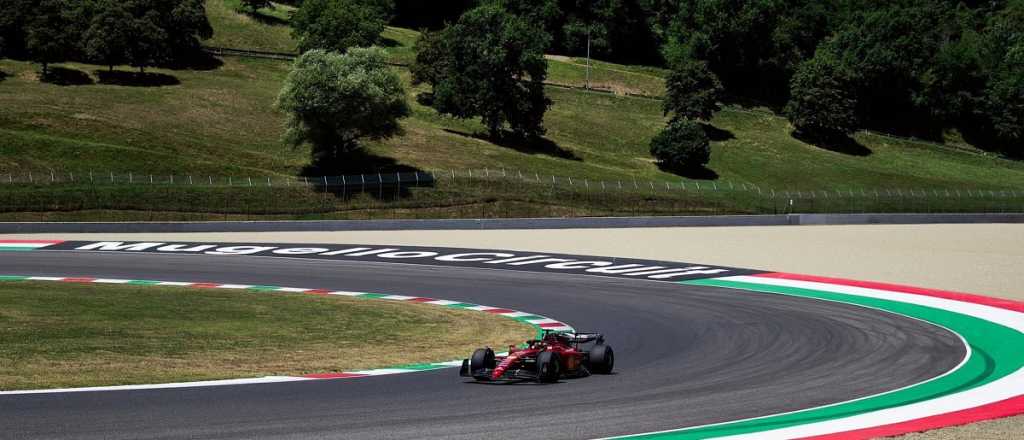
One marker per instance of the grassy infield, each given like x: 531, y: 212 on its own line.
x: 220, y: 122
x: 63, y: 335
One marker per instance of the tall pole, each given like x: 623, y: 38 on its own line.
x: 588, y: 57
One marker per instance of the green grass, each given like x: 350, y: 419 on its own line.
x: 67, y: 335
x: 221, y: 122
x: 266, y: 30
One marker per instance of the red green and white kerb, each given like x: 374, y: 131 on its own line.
x: 537, y: 321
x: 987, y: 384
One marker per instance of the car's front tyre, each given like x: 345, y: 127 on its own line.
x: 548, y: 367
x: 482, y: 359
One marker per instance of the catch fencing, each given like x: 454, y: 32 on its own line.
x: 468, y: 193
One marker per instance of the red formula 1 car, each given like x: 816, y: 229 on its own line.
x: 555, y: 355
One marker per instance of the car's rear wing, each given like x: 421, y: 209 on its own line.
x: 578, y: 337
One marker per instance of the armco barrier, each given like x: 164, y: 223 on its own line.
x: 491, y: 224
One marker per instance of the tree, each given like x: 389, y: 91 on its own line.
x: 431, y: 61
x: 184, y: 24
x: 334, y: 100
x: 48, y: 40
x: 822, y: 103
x: 692, y: 91
x: 337, y: 25
x: 14, y: 17
x: 682, y: 146
x: 254, y: 5
x: 148, y: 45
x: 495, y: 69
x: 110, y: 34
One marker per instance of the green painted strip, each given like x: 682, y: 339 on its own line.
x: 373, y: 295
x: 461, y: 305
x: 12, y: 278
x: 143, y: 283
x: 16, y: 249
x: 264, y: 288
x: 417, y: 367
x: 994, y: 355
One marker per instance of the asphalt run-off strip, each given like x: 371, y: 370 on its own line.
x: 987, y: 384
x: 539, y: 322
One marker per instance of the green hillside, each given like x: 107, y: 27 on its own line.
x: 221, y: 122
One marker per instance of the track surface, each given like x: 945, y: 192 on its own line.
x: 685, y: 356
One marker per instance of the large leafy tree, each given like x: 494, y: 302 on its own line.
x: 1002, y: 101
x: 49, y: 39
x: 692, y: 91
x: 495, y: 70
x: 110, y: 34
x: 432, y: 60
x: 822, y: 104
x: 334, y: 100
x: 149, y: 45
x: 338, y: 25
x: 682, y: 146
x: 14, y: 15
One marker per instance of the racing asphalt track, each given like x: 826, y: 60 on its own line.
x: 686, y: 355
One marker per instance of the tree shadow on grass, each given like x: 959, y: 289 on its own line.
x: 716, y: 134
x: 199, y: 60
x: 3, y: 75
x: 365, y: 173
x: 389, y: 42
x: 696, y: 173
x: 979, y: 135
x: 136, y: 79
x: 63, y: 76
x: 839, y: 144
x: 528, y: 146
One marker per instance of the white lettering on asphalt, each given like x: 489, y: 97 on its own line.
x: 300, y: 251
x: 472, y: 257
x: 183, y: 248
x: 239, y: 250
x: 409, y: 254
x: 118, y: 246
x: 687, y: 273
x: 509, y: 260
x: 371, y: 252
x: 622, y: 268
x: 652, y: 272
x: 542, y: 260
x: 344, y: 251
x: 578, y: 265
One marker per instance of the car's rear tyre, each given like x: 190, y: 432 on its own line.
x: 483, y: 358
x: 548, y: 367
x: 601, y: 359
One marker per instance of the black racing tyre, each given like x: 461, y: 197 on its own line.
x: 601, y: 359
x: 549, y: 369
x: 482, y: 358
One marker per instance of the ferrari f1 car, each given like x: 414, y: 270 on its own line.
x: 554, y: 356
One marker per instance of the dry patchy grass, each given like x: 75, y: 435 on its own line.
x: 66, y: 335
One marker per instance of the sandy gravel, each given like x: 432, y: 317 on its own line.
x: 982, y: 259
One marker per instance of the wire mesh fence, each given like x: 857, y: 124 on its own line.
x: 471, y: 193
